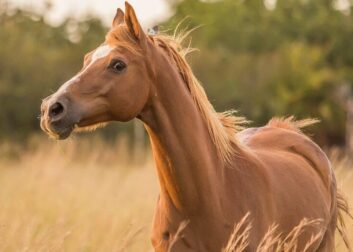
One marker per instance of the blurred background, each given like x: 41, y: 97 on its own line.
x: 264, y: 58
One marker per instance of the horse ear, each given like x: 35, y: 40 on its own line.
x: 132, y: 23
x: 119, y: 18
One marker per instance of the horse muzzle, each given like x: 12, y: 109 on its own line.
x: 58, y: 117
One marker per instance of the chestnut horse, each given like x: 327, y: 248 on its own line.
x: 210, y: 172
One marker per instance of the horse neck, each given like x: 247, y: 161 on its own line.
x: 188, y: 166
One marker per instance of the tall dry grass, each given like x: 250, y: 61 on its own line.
x: 272, y: 241
x: 76, y: 196
x: 82, y: 195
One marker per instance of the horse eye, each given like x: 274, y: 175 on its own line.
x: 118, y: 65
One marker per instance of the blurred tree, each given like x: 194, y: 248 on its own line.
x: 290, y: 58
x: 285, y: 60
x: 35, y: 59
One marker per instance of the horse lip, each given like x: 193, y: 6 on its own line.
x: 64, y: 133
x: 62, y: 129
x: 59, y: 133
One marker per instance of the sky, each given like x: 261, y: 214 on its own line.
x: 149, y: 12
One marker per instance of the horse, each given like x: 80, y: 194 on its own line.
x: 211, y: 169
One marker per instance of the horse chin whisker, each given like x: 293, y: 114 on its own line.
x: 50, y: 133
x: 89, y: 128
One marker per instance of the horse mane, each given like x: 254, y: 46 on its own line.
x: 222, y: 126
x: 290, y: 123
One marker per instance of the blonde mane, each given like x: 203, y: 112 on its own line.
x: 223, y: 126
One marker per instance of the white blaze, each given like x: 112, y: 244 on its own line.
x: 99, y: 53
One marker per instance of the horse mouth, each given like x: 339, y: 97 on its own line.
x: 64, y: 133
x: 61, y: 134
x: 58, y: 133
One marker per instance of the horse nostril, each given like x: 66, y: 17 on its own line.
x: 56, y: 109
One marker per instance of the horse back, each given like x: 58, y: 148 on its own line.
x: 288, y: 145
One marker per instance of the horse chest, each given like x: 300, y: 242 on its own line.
x: 172, y: 232
x: 166, y: 224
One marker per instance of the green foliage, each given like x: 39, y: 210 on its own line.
x: 288, y: 60
x: 35, y: 59
x: 274, y: 62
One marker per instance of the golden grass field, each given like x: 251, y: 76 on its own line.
x: 84, y: 195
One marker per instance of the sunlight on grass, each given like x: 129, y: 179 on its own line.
x: 54, y: 200
x: 84, y: 195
